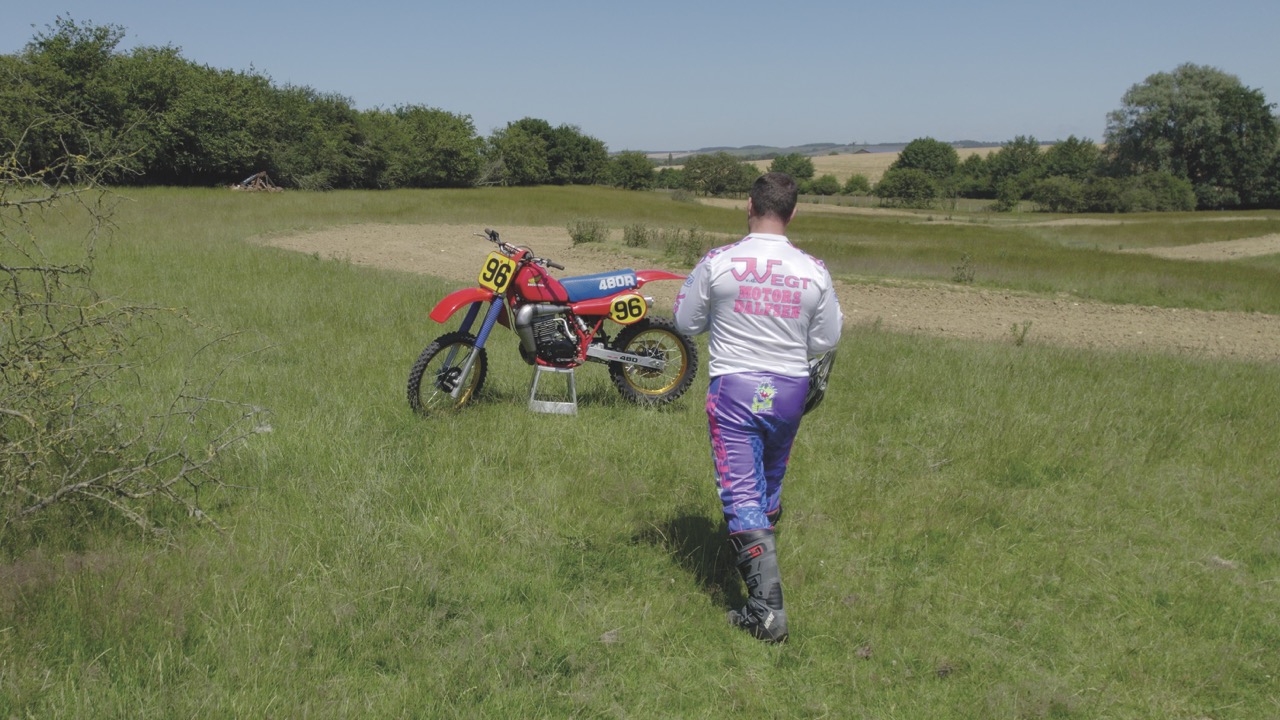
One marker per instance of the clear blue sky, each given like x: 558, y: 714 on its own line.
x: 664, y: 75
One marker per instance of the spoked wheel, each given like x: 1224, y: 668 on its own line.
x: 654, y: 338
x: 437, y: 381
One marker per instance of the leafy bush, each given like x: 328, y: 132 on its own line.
x: 638, y: 236
x: 825, y: 185
x: 68, y: 436
x: 1105, y: 195
x: 1160, y: 192
x: 685, y: 246
x: 963, y: 273
x: 1009, y: 193
x: 1150, y: 192
x: 856, y: 185
x: 1059, y: 194
x: 587, y: 230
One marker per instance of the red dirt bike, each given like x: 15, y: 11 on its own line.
x: 561, y: 325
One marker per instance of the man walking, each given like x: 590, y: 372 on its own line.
x: 768, y: 307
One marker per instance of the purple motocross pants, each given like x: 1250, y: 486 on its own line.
x: 753, y: 418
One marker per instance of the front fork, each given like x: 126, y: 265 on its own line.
x: 486, y: 327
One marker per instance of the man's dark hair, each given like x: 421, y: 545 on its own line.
x: 774, y: 194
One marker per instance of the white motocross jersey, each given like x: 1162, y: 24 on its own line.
x: 769, y: 306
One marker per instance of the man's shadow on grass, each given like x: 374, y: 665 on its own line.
x: 701, y: 547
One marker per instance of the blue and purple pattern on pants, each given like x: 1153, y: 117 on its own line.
x: 753, y: 418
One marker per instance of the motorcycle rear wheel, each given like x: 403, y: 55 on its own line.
x: 440, y: 365
x: 655, y: 337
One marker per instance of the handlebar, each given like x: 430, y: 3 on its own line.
x: 508, y: 249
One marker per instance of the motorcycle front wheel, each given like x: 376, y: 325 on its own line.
x: 436, y: 382
x: 655, y: 338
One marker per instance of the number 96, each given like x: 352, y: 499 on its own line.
x: 628, y: 309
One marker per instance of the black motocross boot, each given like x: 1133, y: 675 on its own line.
x: 757, y: 560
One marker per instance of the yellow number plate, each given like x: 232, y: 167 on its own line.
x: 628, y: 308
x: 496, y: 272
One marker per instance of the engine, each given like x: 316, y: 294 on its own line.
x: 553, y: 340
x: 544, y: 331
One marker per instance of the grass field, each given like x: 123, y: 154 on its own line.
x: 973, y: 530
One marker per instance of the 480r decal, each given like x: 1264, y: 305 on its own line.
x: 617, y: 282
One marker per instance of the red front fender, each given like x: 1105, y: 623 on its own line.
x: 458, y: 299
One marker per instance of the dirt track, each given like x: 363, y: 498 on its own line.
x: 454, y: 252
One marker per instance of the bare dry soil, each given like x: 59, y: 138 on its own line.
x: 455, y: 253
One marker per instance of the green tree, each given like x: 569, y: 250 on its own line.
x: 1201, y: 124
x: 516, y: 156
x: 157, y: 77
x: 220, y: 127
x: 1018, y: 159
x: 935, y: 157
x: 1072, y: 158
x: 632, y: 170
x: 432, y: 148
x: 799, y: 167
x: 1270, y: 187
x: 1014, y: 169
x: 571, y: 157
x: 973, y: 178
x: 58, y: 97
x: 718, y: 173
x: 574, y: 158
x: 907, y: 187
x: 318, y: 141
x: 669, y: 178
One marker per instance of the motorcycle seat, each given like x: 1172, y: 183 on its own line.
x: 590, y: 287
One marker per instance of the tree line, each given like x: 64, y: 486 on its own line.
x: 71, y: 92
x: 1191, y: 138
x: 1194, y: 138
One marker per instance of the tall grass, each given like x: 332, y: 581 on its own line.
x: 972, y: 530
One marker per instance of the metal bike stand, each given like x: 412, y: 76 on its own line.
x: 556, y: 407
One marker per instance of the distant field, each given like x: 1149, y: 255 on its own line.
x: 870, y: 164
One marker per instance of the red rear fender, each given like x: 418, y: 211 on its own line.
x: 457, y: 300
x: 644, y: 276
